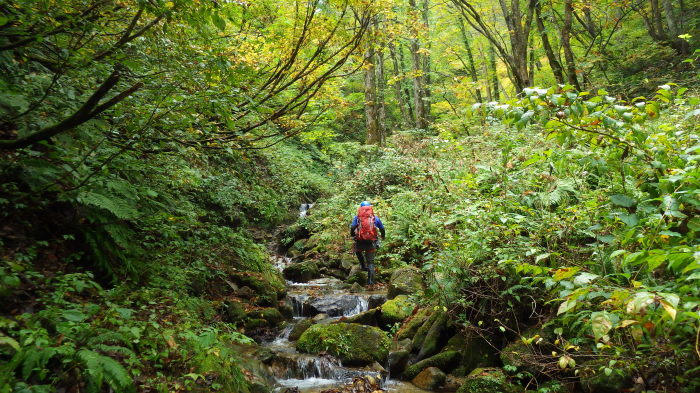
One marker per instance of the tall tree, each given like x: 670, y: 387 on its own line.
x: 470, y: 59
x: 419, y: 104
x: 566, y: 45
x: 557, y: 70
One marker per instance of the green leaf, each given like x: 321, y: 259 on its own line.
x: 622, y: 200
x: 74, y: 315
x: 629, y: 219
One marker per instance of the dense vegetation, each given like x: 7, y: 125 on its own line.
x: 150, y: 152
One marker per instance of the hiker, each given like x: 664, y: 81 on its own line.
x: 364, y: 230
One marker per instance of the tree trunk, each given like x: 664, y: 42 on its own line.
x: 370, y: 87
x: 519, y: 33
x: 427, y: 62
x: 381, y: 87
x: 418, y: 89
x: 405, y: 85
x: 566, y: 44
x: 553, y: 62
x: 470, y: 58
x: 401, y: 100
x: 494, y: 73
x: 656, y: 19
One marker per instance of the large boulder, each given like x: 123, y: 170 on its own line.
x: 357, y: 275
x: 430, y: 379
x: 398, y: 360
x: 486, y: 380
x: 233, y: 311
x: 395, y: 310
x: 301, y: 271
x: 405, y: 281
x: 353, y: 344
x: 445, y: 361
x: 368, y: 317
x: 271, y: 315
x: 436, y: 337
x: 410, y: 327
x: 299, y: 329
x: 267, y: 288
x: 475, y: 352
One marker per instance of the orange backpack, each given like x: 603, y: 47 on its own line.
x: 365, y: 224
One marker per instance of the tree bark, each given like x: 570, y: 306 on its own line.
x: 470, y: 59
x: 418, y: 89
x: 401, y: 100
x: 427, y: 75
x: 494, y: 73
x: 557, y: 70
x: 405, y: 85
x: 566, y: 44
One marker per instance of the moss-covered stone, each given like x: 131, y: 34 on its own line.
x: 445, y: 361
x: 436, y: 337
x: 398, y: 360
x: 405, y: 281
x: 486, y: 380
x: 255, y: 323
x: 267, y: 288
x: 410, y: 327
x: 395, y: 310
x: 422, y: 331
x: 429, y: 379
x: 302, y: 271
x: 357, y: 275
x: 299, y: 329
x: 353, y: 344
x: 271, y: 315
x: 368, y: 317
x: 595, y: 380
x: 233, y: 311
x: 476, y: 352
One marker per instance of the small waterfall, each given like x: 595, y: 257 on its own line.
x: 304, y: 209
x: 361, y: 305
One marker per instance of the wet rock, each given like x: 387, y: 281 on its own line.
x: 445, y: 361
x: 271, y: 315
x: 301, y: 271
x: 353, y: 344
x: 368, y: 317
x: 333, y: 272
x: 594, y: 380
x: 256, y: 323
x: 395, y: 310
x: 299, y: 329
x: 356, y: 288
x: 410, y: 327
x: 376, y: 300
x: 333, y: 305
x: 486, y: 380
x: 404, y: 344
x: 232, y: 311
x: 286, y: 309
x: 429, y: 379
x: 357, y: 275
x: 405, y: 281
x: 319, y: 318
x: 376, y: 367
x: 398, y: 360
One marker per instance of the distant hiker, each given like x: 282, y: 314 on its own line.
x: 364, y: 230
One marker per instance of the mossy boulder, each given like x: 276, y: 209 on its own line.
x: 429, y: 379
x: 368, y: 317
x: 436, y: 337
x: 395, y: 310
x: 301, y: 271
x: 353, y: 344
x: 410, y: 327
x: 595, y: 380
x: 232, y: 311
x: 398, y: 360
x: 255, y: 323
x: 267, y: 288
x: 487, y: 380
x: 357, y: 275
x: 405, y: 281
x: 271, y: 315
x: 445, y: 361
x: 299, y: 329
x: 475, y: 351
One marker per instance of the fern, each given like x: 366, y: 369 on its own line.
x: 122, y: 208
x: 100, y: 369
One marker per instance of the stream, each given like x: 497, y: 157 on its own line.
x: 324, y: 300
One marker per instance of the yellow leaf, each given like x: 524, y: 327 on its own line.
x: 669, y: 308
x: 169, y: 4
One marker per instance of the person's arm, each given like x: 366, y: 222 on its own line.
x: 353, y: 227
x: 378, y: 224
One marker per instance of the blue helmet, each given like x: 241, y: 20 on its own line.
x: 365, y: 203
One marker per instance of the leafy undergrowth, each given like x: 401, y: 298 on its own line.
x: 567, y: 222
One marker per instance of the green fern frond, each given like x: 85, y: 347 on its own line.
x: 122, y: 208
x: 100, y: 369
